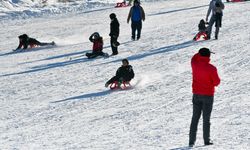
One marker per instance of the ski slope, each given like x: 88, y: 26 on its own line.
x: 54, y: 98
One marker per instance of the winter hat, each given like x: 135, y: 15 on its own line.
x: 205, y: 52
x: 125, y: 60
x: 136, y: 2
x: 24, y: 36
x: 96, y: 34
x: 112, y: 16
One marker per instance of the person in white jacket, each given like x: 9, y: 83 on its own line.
x: 216, y: 8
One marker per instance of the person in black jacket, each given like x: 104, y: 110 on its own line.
x: 25, y: 41
x: 124, y: 73
x: 114, y: 33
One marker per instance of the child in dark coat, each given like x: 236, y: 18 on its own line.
x: 202, y: 31
x: 25, y: 41
x: 114, y: 33
x: 124, y: 74
x: 97, y: 41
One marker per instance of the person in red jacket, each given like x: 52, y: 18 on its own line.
x: 205, y: 78
x: 97, y: 46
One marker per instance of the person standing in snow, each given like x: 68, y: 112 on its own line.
x: 205, y: 78
x: 216, y: 7
x: 136, y: 14
x: 114, y: 33
x: 25, y: 41
x: 124, y: 74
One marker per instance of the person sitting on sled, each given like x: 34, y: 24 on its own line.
x: 124, y: 74
x: 97, y: 41
x: 202, y: 31
x: 25, y: 41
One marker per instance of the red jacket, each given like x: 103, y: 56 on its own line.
x: 205, y: 76
x: 97, y: 44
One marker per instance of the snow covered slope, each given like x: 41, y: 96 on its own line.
x: 54, y: 98
x: 20, y: 9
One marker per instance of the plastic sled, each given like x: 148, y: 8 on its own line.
x: 201, y: 35
x: 33, y: 45
x: 121, y: 4
x: 123, y: 85
x: 235, y: 0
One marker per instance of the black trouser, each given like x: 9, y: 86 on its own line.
x: 217, y: 19
x: 204, y: 104
x: 35, y: 42
x: 136, y: 26
x: 94, y: 54
x: 116, y: 78
x: 113, y: 41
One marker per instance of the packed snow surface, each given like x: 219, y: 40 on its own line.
x: 54, y: 98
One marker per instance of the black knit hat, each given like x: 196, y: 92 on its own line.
x: 24, y: 36
x: 205, y: 52
x: 136, y: 2
x: 125, y: 60
x: 112, y: 16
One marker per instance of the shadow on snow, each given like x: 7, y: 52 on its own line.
x: 177, y: 10
x: 96, y: 94
x: 155, y: 51
x: 50, y: 66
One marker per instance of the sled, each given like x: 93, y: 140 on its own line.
x: 235, y: 0
x: 121, y: 4
x: 33, y: 45
x: 201, y: 35
x: 124, y: 85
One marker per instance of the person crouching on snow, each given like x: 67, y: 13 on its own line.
x: 97, y: 41
x: 25, y: 41
x: 124, y: 74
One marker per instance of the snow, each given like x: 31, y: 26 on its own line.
x: 54, y: 98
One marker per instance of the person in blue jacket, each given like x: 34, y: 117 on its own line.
x: 136, y: 14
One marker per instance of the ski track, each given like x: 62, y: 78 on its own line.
x: 54, y: 98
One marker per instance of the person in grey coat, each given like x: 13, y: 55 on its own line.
x: 216, y: 8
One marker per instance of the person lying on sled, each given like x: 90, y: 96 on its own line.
x: 202, y: 31
x: 25, y: 41
x: 124, y: 74
x: 97, y: 41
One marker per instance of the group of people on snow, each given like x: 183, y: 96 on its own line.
x: 205, y: 76
x: 215, y: 9
x: 136, y: 15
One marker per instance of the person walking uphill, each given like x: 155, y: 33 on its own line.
x: 216, y: 7
x: 136, y: 14
x: 114, y: 33
x: 205, y: 78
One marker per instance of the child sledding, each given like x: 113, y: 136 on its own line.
x: 122, y: 4
x: 202, y: 27
x: 26, y: 42
x: 123, y: 76
x: 236, y: 0
x: 97, y: 41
